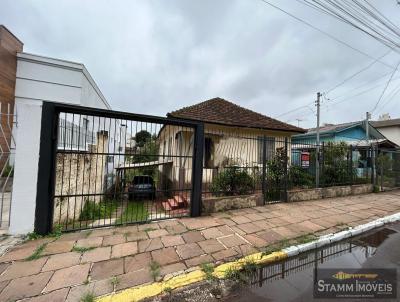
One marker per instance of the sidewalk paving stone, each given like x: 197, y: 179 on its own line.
x: 176, y: 229
x: 157, y: 233
x: 97, y: 254
x: 124, y: 249
x: 171, y: 268
x: 69, y: 276
x: 231, y: 240
x: 225, y: 254
x: 137, y: 262
x: 212, y: 233
x: 250, y: 227
x: 189, y: 250
x: 97, y: 288
x: 58, y: 247
x: 58, y: 261
x: 25, y: 287
x: 135, y: 236
x: 59, y: 295
x: 150, y: 245
x: 193, y: 236
x: 211, y: 246
x: 172, y: 240
x: 199, y: 260
x: 114, y: 239
x: 21, y: 269
x: 18, y: 253
x: 107, y: 269
x: 133, y: 279
x: 90, y: 242
x: 166, y: 255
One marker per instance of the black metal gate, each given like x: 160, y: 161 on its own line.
x: 103, y: 168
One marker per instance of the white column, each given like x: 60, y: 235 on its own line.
x: 23, y: 203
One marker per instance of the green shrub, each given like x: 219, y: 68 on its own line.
x: 336, y: 167
x: 97, y: 210
x: 298, y: 177
x: 232, y: 181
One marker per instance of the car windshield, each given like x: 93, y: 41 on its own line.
x: 142, y: 180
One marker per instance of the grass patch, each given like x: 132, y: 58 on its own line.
x: 154, y: 269
x: 82, y: 249
x: 135, y: 211
x: 114, y: 281
x: 56, y: 233
x: 289, y: 242
x: 236, y: 274
x: 305, y: 238
x: 208, y: 270
x: 88, y: 297
x: 250, y: 266
x: 98, y: 210
x: 167, y: 290
x: 37, y: 253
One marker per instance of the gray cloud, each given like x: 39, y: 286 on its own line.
x: 156, y: 56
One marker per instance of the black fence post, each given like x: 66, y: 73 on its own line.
x: 264, y: 167
x: 322, y: 163
x: 351, y: 164
x: 373, y: 164
x: 46, y: 172
x: 197, y: 171
x: 285, y: 196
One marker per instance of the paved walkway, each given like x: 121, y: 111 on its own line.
x: 106, y: 260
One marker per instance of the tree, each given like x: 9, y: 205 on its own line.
x: 142, y: 137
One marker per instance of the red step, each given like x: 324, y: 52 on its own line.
x: 180, y: 200
x: 166, y: 206
x: 173, y: 203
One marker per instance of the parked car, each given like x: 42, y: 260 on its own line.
x: 142, y: 187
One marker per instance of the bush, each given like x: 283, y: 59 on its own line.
x: 232, y: 181
x: 336, y: 166
x: 93, y: 210
x: 300, y: 178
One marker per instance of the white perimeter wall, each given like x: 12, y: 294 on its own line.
x: 41, y: 79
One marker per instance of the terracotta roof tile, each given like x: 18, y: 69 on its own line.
x: 223, y: 112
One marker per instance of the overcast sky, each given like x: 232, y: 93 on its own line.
x: 157, y: 56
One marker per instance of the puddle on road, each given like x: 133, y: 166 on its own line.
x: 292, y: 279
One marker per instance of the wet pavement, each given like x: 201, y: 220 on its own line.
x: 292, y: 280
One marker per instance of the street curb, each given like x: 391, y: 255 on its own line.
x: 150, y: 290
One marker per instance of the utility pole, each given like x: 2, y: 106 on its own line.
x: 367, y: 118
x: 318, y: 104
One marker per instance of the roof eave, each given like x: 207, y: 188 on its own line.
x: 239, y: 126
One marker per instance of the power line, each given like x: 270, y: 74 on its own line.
x: 357, y: 73
x: 359, y: 93
x: 390, y: 97
x: 325, y: 33
x: 387, y: 84
x: 293, y: 110
x: 362, y: 18
x: 361, y: 86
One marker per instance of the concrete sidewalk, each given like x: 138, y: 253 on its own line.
x: 106, y: 260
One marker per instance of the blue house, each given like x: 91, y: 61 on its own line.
x: 351, y: 133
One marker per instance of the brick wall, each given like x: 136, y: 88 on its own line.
x: 9, y: 46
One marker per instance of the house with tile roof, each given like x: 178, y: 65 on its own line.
x: 233, y: 136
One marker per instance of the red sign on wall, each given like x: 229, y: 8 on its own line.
x: 305, y: 159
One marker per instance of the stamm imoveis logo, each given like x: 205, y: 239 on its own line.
x: 344, y: 276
